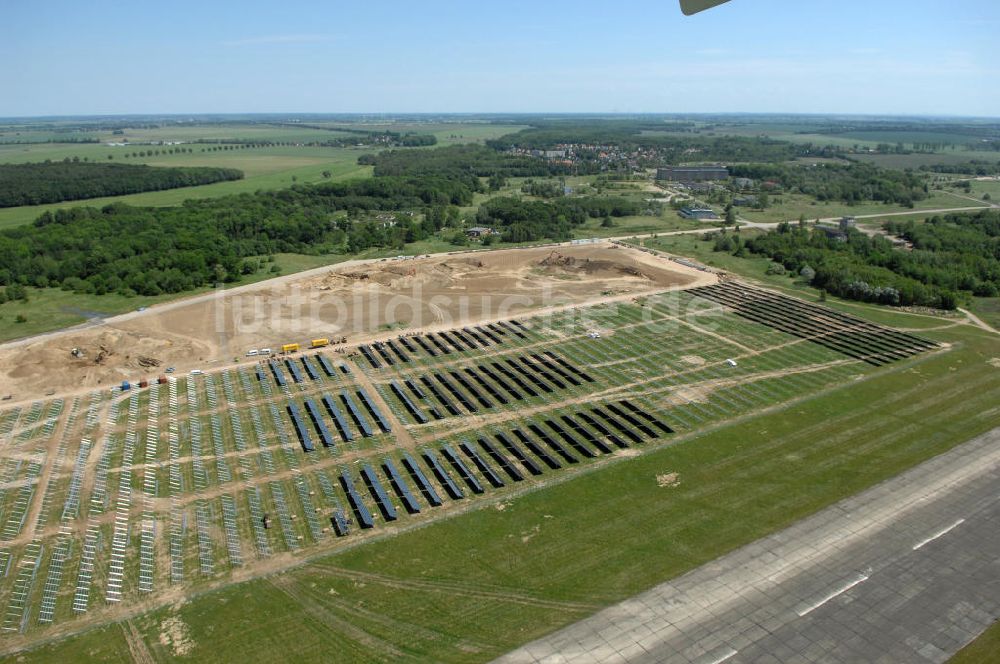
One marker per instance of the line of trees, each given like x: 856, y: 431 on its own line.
x: 952, y: 257
x: 57, y: 181
x: 849, y: 183
x: 150, y: 251
x: 519, y: 220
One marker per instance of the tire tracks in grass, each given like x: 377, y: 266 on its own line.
x: 455, y: 589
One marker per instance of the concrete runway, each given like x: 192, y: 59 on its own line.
x: 907, y: 572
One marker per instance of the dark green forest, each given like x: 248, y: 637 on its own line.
x: 462, y: 162
x: 952, y: 258
x: 149, y: 251
x: 518, y: 220
x: 71, y: 180
x: 850, y: 183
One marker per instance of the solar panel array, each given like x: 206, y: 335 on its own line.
x: 855, y: 337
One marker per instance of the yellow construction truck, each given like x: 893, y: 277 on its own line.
x: 319, y: 343
x: 289, y: 348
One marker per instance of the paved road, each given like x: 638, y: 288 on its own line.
x: 906, y: 572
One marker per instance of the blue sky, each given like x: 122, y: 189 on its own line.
x: 804, y: 56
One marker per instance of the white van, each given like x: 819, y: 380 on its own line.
x: 265, y: 351
x: 252, y: 352
x: 196, y: 372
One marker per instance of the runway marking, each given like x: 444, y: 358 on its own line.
x: 722, y: 658
x: 940, y: 533
x: 861, y: 578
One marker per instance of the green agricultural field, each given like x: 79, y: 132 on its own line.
x: 916, y: 160
x: 270, y: 167
x: 991, y: 187
x: 265, y: 168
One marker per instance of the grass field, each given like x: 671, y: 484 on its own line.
x: 792, y: 205
x: 981, y: 651
x: 271, y: 167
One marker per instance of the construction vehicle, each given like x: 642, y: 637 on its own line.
x: 126, y: 386
x: 162, y: 380
x: 289, y: 348
x: 319, y: 343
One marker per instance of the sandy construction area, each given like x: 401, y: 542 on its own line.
x: 359, y: 300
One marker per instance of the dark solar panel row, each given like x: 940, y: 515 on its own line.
x: 641, y: 426
x: 542, y: 371
x: 496, y: 329
x: 439, y: 395
x: 366, y: 351
x: 410, y: 406
x: 360, y: 510
x: 407, y: 345
x: 505, y: 370
x: 484, y: 468
x: 444, y: 478
x: 476, y: 394
x: 456, y: 393
x: 374, y: 410
x: 294, y: 370
x: 551, y: 366
x: 585, y: 433
x: 423, y: 485
x: 279, y: 376
x: 529, y: 375
x: 385, y: 505
x: 631, y: 435
x: 417, y: 392
x: 338, y: 418
x: 646, y: 416
x: 317, y: 419
x: 549, y: 460
x: 395, y: 349
x: 260, y: 373
x: 573, y: 442
x: 462, y: 470
x: 452, y: 340
x: 552, y: 443
x: 300, y: 428
x: 486, y: 385
x: 570, y: 367
x: 513, y: 329
x: 422, y: 344
x: 603, y: 430
x: 310, y: 369
x: 501, y: 460
x: 441, y: 347
x: 380, y: 349
x: 339, y: 522
x: 327, y: 368
x: 489, y: 333
x: 357, y: 415
x: 344, y: 368
x: 519, y: 454
x: 400, y: 487
x: 489, y: 373
x: 464, y: 342
x: 476, y: 336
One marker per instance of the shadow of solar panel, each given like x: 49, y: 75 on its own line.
x: 399, y: 485
x: 462, y: 470
x: 423, y: 485
x: 480, y: 463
